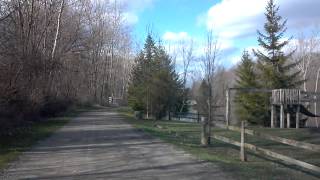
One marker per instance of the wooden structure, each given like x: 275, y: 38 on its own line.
x: 287, y: 98
x: 284, y: 98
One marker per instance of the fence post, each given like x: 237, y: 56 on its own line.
x: 204, y: 139
x: 288, y: 120
x: 242, y: 150
x: 298, y: 116
x: 227, y: 107
x: 298, y: 110
x: 198, y: 117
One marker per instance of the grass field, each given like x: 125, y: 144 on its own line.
x: 187, y: 136
x: 12, y: 146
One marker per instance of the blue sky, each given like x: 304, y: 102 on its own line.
x: 173, y: 16
x: 233, y: 21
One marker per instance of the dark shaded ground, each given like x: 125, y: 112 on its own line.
x: 99, y: 145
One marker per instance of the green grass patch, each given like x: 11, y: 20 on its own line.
x: 12, y: 146
x: 187, y: 136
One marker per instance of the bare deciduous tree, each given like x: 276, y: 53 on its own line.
x: 304, y: 55
x: 186, y: 53
x: 58, y: 52
x: 209, y: 65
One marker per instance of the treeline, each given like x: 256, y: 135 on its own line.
x: 60, y: 52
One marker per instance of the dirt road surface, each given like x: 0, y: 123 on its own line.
x: 100, y: 145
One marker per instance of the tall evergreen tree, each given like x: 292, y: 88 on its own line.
x: 166, y: 87
x: 155, y: 87
x: 139, y: 90
x: 136, y: 91
x: 248, y: 106
x: 276, y: 70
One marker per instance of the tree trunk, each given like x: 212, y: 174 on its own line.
x: 204, y: 135
x: 315, y: 104
x: 57, y: 29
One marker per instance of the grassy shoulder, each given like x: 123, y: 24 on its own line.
x: 187, y: 136
x: 12, y: 146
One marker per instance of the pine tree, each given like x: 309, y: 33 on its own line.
x: 139, y: 89
x: 245, y: 72
x: 155, y: 86
x: 276, y: 70
x: 166, y: 88
x: 248, y: 107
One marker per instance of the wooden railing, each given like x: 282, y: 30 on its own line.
x: 194, y: 117
x: 291, y: 142
x: 265, y: 152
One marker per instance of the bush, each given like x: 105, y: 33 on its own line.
x: 53, y: 106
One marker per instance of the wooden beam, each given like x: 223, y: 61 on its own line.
x: 227, y: 107
x: 288, y: 120
x: 251, y: 90
x: 272, y: 115
x: 281, y: 157
x: 281, y: 116
x: 238, y: 129
x: 265, y: 152
x: 226, y: 140
x: 291, y: 142
x: 310, y: 93
x: 243, y: 156
x: 298, y: 117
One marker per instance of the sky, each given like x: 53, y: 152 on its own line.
x: 234, y: 22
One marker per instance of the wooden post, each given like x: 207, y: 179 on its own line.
x: 242, y: 150
x: 281, y: 116
x: 298, y: 116
x: 204, y: 140
x: 227, y: 107
x: 315, y: 112
x: 272, y: 115
x: 288, y: 120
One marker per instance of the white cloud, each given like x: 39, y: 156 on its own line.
x: 136, y: 5
x: 225, y: 44
x: 235, y: 22
x: 132, y: 8
x: 232, y: 18
x: 235, y: 60
x: 172, y: 36
x: 173, y: 41
x: 239, y: 18
x: 130, y: 18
